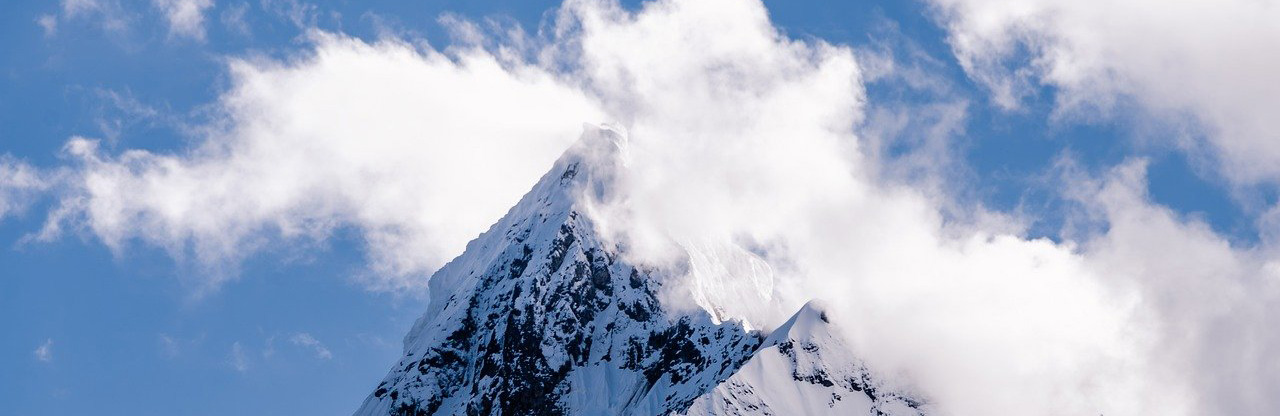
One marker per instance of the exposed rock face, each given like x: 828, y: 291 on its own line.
x: 540, y: 316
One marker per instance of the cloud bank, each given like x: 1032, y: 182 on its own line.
x: 740, y: 139
x: 1217, y: 62
x: 416, y: 150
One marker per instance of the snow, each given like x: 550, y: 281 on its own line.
x: 540, y: 315
x: 804, y: 367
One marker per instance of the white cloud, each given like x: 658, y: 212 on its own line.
x: 106, y: 13
x: 234, y: 19
x: 300, y: 13
x: 185, y: 17
x: 1216, y: 61
x: 740, y: 139
x: 169, y: 347
x: 20, y: 185
x: 48, y: 23
x: 370, y: 136
x: 174, y: 346
x: 237, y: 358
x: 119, y: 111
x: 1209, y: 306
x: 916, y: 126
x: 303, y: 339
x: 44, y: 352
x: 74, y: 8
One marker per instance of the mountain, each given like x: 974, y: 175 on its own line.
x: 803, y: 368
x: 541, y: 315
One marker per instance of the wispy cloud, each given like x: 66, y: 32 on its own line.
x: 44, y: 352
x: 301, y: 14
x: 234, y: 19
x: 168, y: 346
x: 107, y: 14
x: 185, y: 17
x: 118, y: 111
x: 237, y: 359
x: 20, y: 185
x: 173, y: 346
x: 915, y: 127
x: 303, y: 339
x: 48, y: 23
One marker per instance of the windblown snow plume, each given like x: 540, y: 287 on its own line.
x: 741, y: 144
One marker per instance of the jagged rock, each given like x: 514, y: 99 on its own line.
x: 541, y: 316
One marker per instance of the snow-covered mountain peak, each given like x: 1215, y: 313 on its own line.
x: 588, y: 168
x: 810, y: 319
x: 805, y: 367
x: 542, y: 315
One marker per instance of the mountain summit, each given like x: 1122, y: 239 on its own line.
x: 541, y: 315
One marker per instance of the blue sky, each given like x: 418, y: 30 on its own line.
x: 293, y: 331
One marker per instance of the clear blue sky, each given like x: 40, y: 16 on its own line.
x: 127, y: 337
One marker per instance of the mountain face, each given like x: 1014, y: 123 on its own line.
x: 803, y: 368
x: 541, y: 316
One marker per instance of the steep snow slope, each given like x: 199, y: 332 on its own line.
x: 804, y: 368
x: 542, y: 316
